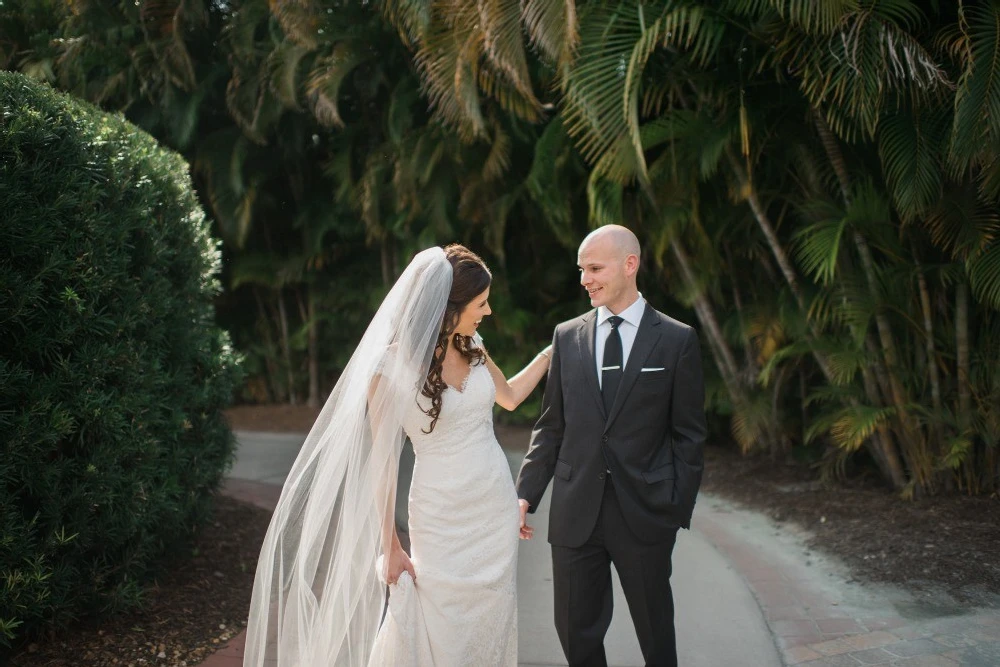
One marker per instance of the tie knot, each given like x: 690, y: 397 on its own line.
x: 615, y: 321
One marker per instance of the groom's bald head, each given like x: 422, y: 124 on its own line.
x: 617, y: 239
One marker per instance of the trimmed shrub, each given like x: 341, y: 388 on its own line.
x: 113, y: 374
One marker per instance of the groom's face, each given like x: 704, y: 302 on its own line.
x: 602, y: 273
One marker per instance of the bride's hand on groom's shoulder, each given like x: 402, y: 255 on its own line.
x: 398, y: 563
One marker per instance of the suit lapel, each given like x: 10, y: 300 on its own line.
x: 645, y: 340
x: 586, y: 335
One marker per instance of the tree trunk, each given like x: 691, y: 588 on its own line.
x: 764, y: 222
x: 932, y: 369
x: 753, y: 370
x: 286, y: 347
x: 307, y: 311
x: 725, y: 359
x: 914, y: 449
x: 386, y: 254
x: 962, y: 355
x: 881, y: 445
x: 962, y: 365
x: 313, y: 324
x: 270, y: 371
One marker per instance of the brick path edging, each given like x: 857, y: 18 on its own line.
x: 264, y: 496
x: 814, y: 628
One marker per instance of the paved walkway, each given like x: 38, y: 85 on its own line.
x: 747, y: 592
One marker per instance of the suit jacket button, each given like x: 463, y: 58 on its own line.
x: 600, y: 475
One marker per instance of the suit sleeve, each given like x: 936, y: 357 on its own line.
x: 546, y: 438
x: 688, y: 430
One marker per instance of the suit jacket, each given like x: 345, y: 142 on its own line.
x: 651, y: 441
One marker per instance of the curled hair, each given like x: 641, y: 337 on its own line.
x: 470, y: 278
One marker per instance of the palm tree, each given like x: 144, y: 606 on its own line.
x: 875, y: 89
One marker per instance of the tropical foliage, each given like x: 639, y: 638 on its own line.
x: 815, y: 185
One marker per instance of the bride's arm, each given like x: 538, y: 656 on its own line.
x: 511, y: 393
x: 396, y: 558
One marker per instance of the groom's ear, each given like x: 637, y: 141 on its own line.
x: 631, y: 265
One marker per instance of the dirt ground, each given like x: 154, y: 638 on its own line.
x: 944, y: 544
x: 272, y: 418
x: 937, y: 544
x: 189, y: 613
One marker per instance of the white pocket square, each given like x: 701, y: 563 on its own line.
x: 650, y: 370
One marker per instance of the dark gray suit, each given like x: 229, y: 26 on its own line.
x: 652, y: 444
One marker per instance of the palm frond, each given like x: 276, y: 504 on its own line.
x: 299, y: 19
x: 163, y: 23
x: 853, y: 73
x: 959, y: 223
x: 498, y: 161
x: 510, y: 96
x: 411, y: 19
x: 855, y: 305
x: 605, y: 201
x: 912, y: 149
x: 957, y: 450
x: 984, y: 275
x: 796, y: 350
x: 221, y: 160
x: 449, y: 62
x: 850, y: 426
x: 402, y: 100
x: 244, y: 94
x: 751, y: 422
x: 552, y: 27
x: 544, y: 185
x: 265, y: 269
x: 602, y: 87
x: 283, y: 65
x: 806, y: 15
x: 326, y: 78
x: 496, y: 228
x: 817, y: 247
x: 977, y: 101
x: 500, y: 21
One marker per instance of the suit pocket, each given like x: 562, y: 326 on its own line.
x: 655, y: 374
x: 659, y: 474
x: 563, y: 470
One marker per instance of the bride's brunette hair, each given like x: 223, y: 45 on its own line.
x: 470, y: 278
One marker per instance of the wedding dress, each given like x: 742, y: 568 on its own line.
x: 319, y: 591
x: 463, y: 526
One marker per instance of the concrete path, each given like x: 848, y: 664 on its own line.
x: 718, y: 621
x: 748, y: 592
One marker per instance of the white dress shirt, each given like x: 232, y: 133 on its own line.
x: 632, y: 316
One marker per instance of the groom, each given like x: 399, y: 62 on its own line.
x: 622, y: 430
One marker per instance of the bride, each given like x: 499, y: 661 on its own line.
x: 420, y: 371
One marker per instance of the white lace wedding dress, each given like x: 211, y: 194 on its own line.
x: 464, y: 524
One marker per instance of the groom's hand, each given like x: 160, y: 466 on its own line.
x: 526, y: 530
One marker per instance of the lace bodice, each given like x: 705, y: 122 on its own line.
x: 466, y: 414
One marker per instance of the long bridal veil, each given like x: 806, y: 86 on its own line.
x: 317, y: 597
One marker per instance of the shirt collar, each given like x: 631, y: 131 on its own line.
x: 632, y: 314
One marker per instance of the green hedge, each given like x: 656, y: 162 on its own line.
x: 113, y: 373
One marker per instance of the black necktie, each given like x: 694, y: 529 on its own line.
x: 612, y: 366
